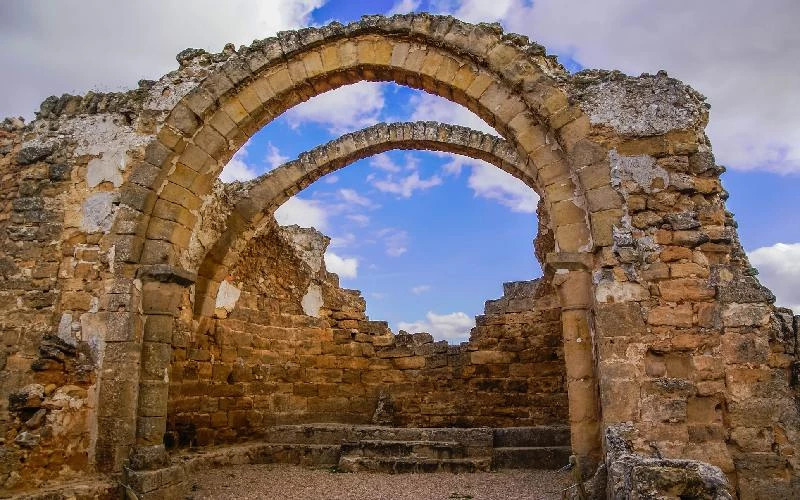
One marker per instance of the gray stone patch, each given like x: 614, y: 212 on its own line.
x: 644, y: 106
x: 227, y: 296
x: 98, y: 211
x: 108, y: 167
x: 312, y: 301
x: 308, y: 243
x: 65, y: 330
x: 641, y: 169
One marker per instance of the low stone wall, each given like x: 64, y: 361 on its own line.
x: 296, y: 348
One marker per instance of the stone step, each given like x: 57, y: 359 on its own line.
x: 516, y: 437
x: 531, y: 457
x: 411, y: 465
x: 344, y: 433
x: 260, y: 453
x: 437, y: 450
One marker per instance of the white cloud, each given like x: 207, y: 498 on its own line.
x: 303, y: 212
x: 779, y: 270
x: 237, y: 169
x: 331, y: 179
x: 404, y: 7
x: 404, y: 187
x: 344, y: 240
x: 394, y: 240
x: 419, y: 290
x: 429, y: 107
x: 453, y: 327
x: 52, y: 47
x: 360, y: 219
x: 274, y: 157
x: 341, y: 110
x: 345, y: 267
x: 737, y: 54
x: 351, y: 196
x: 488, y: 181
x: 384, y: 162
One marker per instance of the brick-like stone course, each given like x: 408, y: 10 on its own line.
x: 267, y: 363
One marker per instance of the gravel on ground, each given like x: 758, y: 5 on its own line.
x: 295, y: 482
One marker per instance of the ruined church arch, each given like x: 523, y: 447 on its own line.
x: 471, y: 65
x: 683, y: 362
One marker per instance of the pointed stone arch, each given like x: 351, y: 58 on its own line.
x: 505, y: 80
x: 259, y: 198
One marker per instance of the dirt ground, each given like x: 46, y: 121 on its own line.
x: 294, y: 482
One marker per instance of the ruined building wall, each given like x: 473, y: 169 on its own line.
x: 666, y: 330
x: 68, y: 316
x: 297, y: 348
x: 690, y: 348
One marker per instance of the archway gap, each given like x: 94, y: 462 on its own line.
x: 505, y: 80
x: 258, y: 199
x: 238, y: 111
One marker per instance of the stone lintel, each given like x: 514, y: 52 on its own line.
x: 165, y: 273
x: 571, y: 261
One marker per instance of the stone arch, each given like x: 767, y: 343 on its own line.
x: 260, y: 197
x: 504, y: 79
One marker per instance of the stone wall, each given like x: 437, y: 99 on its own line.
x: 46, y: 373
x: 690, y: 347
x: 297, y: 348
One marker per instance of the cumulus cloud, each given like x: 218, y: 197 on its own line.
x: 404, y: 186
x: 344, y: 240
x: 404, y: 7
x: 303, y: 212
x: 360, y: 219
x: 351, y: 196
x: 779, y: 269
x: 341, y: 110
x: 384, y: 162
x: 429, y: 107
x: 394, y: 240
x: 57, y: 46
x: 488, y: 181
x: 419, y: 290
x: 274, y: 157
x: 238, y: 169
x: 345, y: 267
x: 732, y: 51
x: 453, y: 327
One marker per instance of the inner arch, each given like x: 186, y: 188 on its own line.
x: 255, y: 201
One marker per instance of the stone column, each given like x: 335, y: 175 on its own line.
x: 162, y: 289
x: 573, y: 282
x: 121, y: 329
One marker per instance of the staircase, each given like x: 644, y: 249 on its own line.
x: 354, y: 448
x: 531, y: 448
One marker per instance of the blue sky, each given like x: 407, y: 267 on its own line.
x: 428, y: 243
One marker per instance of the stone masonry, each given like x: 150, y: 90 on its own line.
x: 270, y: 361
x: 125, y: 266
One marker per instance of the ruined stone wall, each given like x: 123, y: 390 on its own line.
x: 71, y: 334
x: 46, y: 374
x: 297, y: 348
x: 690, y: 348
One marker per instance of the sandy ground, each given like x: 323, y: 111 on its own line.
x: 293, y: 482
